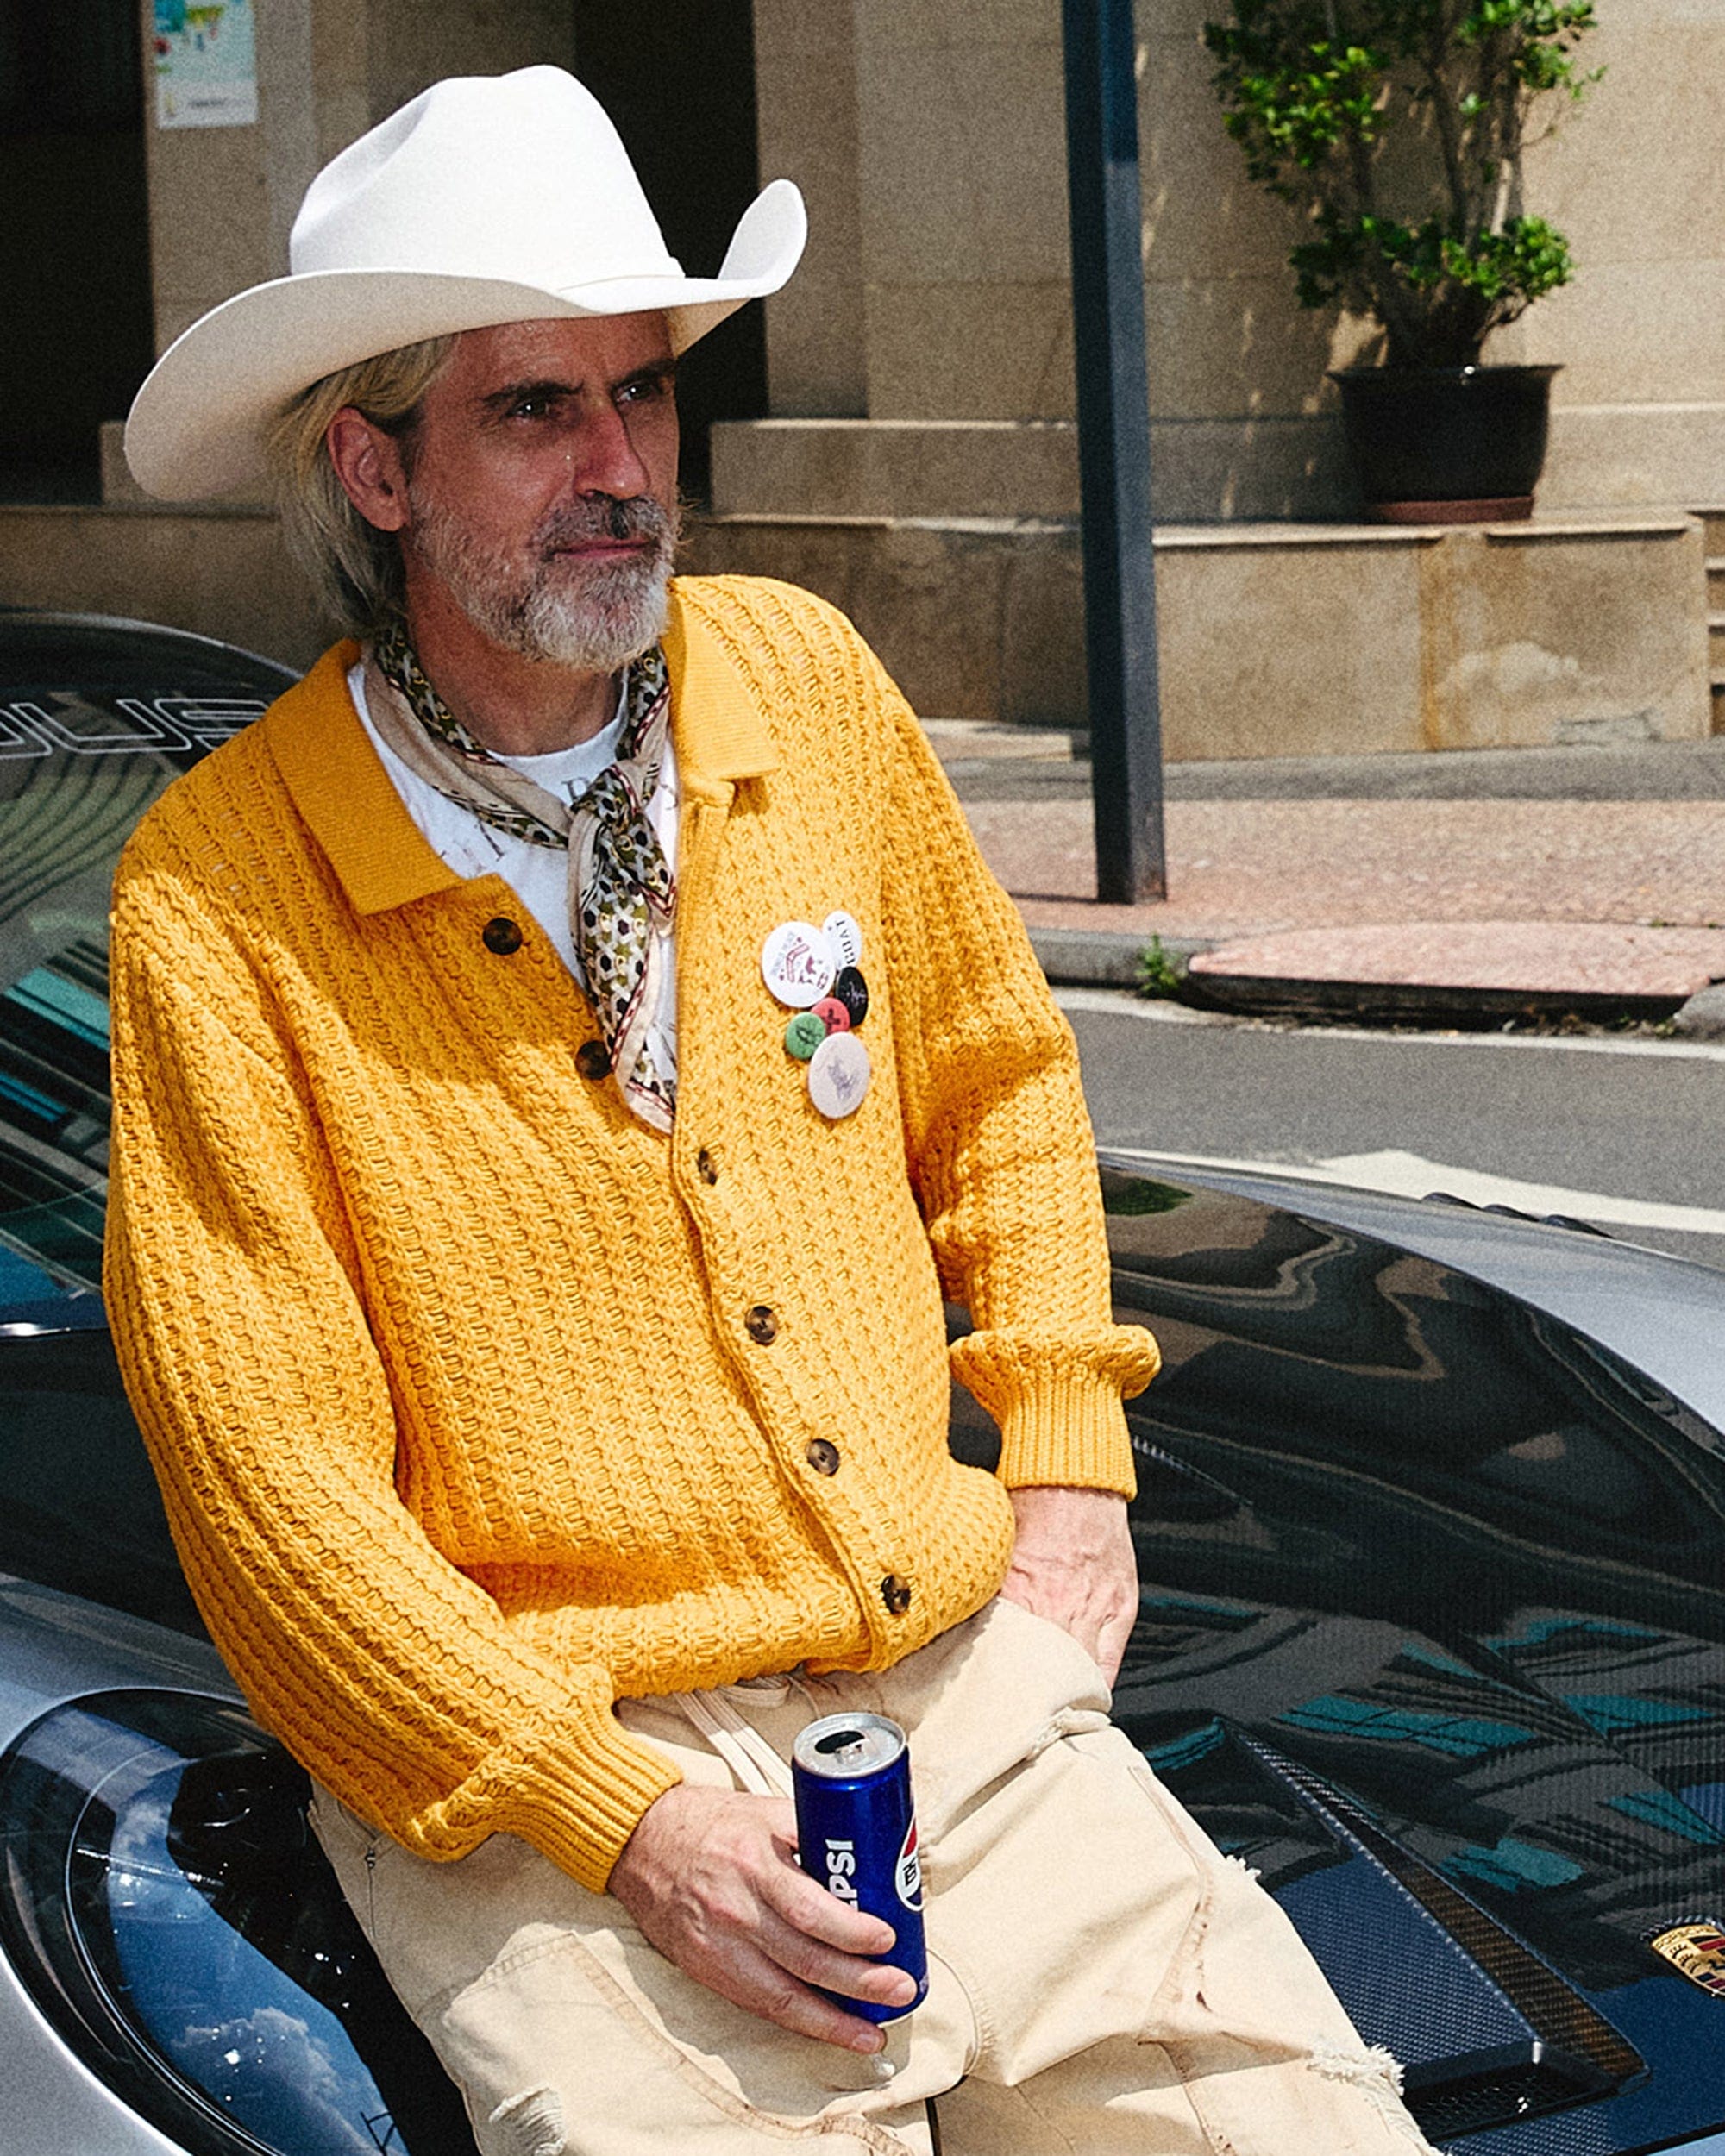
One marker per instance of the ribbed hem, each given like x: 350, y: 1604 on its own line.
x: 577, y: 1800
x: 1067, y: 1431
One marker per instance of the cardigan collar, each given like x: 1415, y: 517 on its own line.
x: 340, y: 788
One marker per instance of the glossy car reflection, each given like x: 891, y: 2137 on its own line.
x: 1431, y: 1532
x: 1443, y: 1657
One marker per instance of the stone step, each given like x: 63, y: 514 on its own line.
x: 966, y: 741
x: 1278, y: 640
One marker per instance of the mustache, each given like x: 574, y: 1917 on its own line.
x: 636, y: 517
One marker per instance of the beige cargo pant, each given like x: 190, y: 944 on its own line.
x: 1102, y: 1981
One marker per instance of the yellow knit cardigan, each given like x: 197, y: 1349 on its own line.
x: 476, y: 1403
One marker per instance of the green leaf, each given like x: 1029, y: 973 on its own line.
x: 1314, y: 92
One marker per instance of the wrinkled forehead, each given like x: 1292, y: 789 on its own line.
x: 579, y: 349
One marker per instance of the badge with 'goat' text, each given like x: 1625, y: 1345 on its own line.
x: 845, y: 937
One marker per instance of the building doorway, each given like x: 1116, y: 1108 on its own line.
x: 74, y: 240
x: 679, y: 80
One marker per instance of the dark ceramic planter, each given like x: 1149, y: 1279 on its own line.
x: 1447, y: 445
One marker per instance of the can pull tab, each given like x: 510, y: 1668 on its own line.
x: 843, y: 1747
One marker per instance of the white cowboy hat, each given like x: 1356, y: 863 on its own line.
x: 488, y: 198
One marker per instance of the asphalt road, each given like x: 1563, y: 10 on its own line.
x: 1629, y: 1135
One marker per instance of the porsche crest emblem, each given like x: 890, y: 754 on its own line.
x: 1696, y: 1947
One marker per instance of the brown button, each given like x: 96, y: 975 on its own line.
x: 706, y: 1167
x: 761, y: 1323
x: 895, y: 1594
x: 592, y: 1060
x: 502, y: 935
x: 822, y: 1456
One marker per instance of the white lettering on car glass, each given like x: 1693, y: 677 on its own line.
x: 79, y: 729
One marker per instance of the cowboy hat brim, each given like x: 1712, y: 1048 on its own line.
x: 197, y: 426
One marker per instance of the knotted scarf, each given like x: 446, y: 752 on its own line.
x: 622, y: 894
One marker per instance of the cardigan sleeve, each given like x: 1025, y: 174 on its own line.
x: 233, y: 1289
x: 1000, y: 1147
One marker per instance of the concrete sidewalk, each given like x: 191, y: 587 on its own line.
x: 1471, y: 884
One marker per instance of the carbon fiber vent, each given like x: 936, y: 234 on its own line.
x: 1493, y: 2033
x: 1473, y: 2102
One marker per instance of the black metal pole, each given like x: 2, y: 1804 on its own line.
x: 1113, y: 449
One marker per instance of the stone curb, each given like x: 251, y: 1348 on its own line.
x: 1412, y: 1002
x: 1108, y: 958
x: 1703, y: 1018
x: 1104, y: 957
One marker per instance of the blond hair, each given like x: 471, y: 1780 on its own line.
x: 355, y: 568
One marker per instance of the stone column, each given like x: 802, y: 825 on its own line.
x: 806, y: 98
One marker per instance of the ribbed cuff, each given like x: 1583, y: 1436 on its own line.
x: 577, y: 1799
x: 1067, y: 1431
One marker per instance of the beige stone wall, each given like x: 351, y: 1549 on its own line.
x: 928, y: 140
x: 218, y: 571
x: 1637, y: 181
x: 806, y: 91
x: 1282, y: 639
x: 930, y: 136
x: 223, y: 199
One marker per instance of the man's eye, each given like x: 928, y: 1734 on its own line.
x: 649, y: 391
x: 531, y: 408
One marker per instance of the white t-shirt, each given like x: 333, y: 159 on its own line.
x: 538, y: 876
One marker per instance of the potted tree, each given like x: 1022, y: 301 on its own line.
x: 1399, y: 127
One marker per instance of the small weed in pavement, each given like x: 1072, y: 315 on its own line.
x: 1158, y: 973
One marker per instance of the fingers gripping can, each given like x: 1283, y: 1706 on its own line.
x: 856, y: 1835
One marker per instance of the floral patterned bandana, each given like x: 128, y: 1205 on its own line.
x: 622, y: 893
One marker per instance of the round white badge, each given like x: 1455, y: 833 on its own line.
x: 797, y: 964
x: 839, y: 1075
x: 844, y: 936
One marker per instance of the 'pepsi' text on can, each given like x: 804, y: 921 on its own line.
x: 856, y: 1835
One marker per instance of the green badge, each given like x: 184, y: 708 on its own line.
x: 803, y: 1035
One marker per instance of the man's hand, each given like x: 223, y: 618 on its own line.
x: 1074, y: 1563
x: 711, y: 1877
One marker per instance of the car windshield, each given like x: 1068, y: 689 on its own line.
x: 95, y: 719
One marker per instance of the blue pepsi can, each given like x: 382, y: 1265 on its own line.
x: 856, y: 1834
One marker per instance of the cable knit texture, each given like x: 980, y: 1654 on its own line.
x: 454, y: 1372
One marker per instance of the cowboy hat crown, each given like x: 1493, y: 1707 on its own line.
x: 486, y: 199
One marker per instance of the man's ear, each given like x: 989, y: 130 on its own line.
x: 369, y: 464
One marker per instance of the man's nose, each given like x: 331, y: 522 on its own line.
x: 603, y: 459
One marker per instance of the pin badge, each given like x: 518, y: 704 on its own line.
x: 805, y: 1033
x: 797, y: 964
x: 833, y: 1015
x: 844, y: 936
x: 839, y: 1075
x: 850, y: 990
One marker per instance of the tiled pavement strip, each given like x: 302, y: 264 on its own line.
x: 1552, y: 896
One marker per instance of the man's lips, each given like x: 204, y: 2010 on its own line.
x: 592, y: 549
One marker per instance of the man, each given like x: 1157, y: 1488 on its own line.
x: 563, y: 1055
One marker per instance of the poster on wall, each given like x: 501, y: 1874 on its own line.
x: 206, y: 64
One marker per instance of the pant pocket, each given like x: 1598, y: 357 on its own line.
x: 554, y: 2037
x: 352, y: 1850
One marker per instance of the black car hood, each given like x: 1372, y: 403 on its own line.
x: 1432, y: 1637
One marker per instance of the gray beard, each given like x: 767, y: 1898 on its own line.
x: 614, y: 613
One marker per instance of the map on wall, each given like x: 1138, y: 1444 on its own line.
x: 205, y: 54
